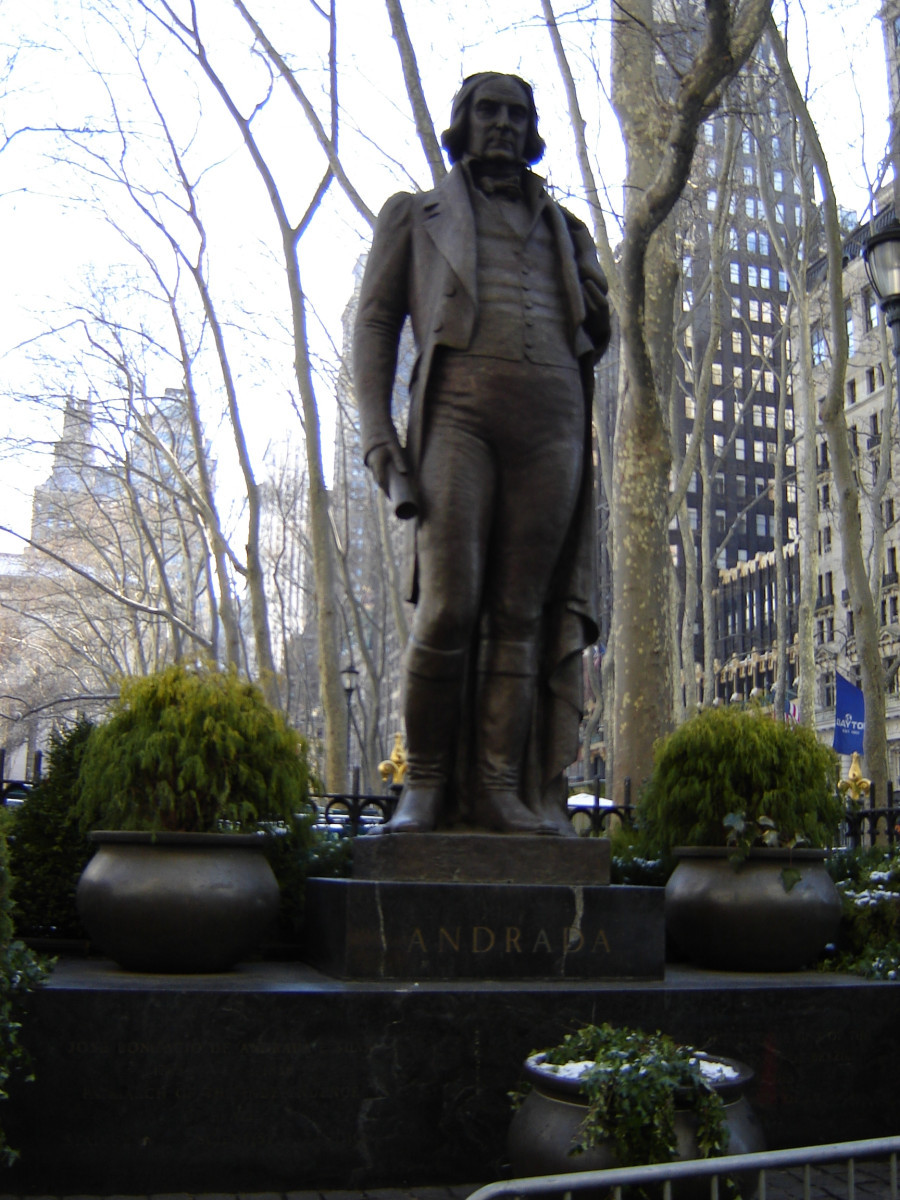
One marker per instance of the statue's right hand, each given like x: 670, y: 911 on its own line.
x: 381, y: 458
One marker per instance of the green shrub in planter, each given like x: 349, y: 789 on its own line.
x: 737, y: 776
x: 193, y: 750
x: 49, y: 849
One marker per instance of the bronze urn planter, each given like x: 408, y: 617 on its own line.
x: 775, y: 910
x: 177, y: 902
x: 547, y: 1127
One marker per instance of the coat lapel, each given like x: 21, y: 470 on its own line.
x: 450, y: 223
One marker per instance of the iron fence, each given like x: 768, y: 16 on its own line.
x: 766, y: 1166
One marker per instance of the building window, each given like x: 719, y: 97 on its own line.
x: 752, y: 276
x: 819, y: 347
x: 770, y: 416
x: 826, y: 538
x: 753, y: 310
x: 750, y: 207
x: 870, y: 380
x: 734, y: 272
x: 870, y: 310
x: 759, y: 451
x: 764, y: 237
x: 851, y: 391
x: 778, y: 181
x: 749, y: 174
x: 718, y: 405
x: 765, y: 277
x: 712, y: 199
x: 757, y: 416
x: 752, y: 242
x: 690, y: 407
x: 782, y: 281
x: 888, y: 513
x: 737, y: 342
x: 740, y: 486
x: 717, y: 380
x: 762, y: 525
x: 718, y: 445
x: 740, y: 449
x: 848, y: 320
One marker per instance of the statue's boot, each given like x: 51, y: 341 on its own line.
x: 508, y: 680
x: 433, y: 681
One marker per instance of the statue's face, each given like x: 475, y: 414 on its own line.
x: 499, y: 118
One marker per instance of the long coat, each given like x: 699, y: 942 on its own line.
x: 422, y: 265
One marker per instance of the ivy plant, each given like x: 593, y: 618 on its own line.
x: 632, y: 1087
x: 20, y: 972
x: 868, y: 880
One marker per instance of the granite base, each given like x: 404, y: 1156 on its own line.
x: 273, y: 1078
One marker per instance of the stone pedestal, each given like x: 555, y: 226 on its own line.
x: 481, y: 858
x: 366, y: 929
x: 482, y: 906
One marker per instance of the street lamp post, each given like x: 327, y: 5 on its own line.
x: 349, y: 675
x: 881, y: 256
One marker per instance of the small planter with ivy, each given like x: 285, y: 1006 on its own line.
x: 747, y: 804
x: 180, y: 788
x: 607, y: 1097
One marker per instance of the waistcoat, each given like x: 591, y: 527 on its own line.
x: 522, y: 310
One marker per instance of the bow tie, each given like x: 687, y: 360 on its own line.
x: 510, y: 188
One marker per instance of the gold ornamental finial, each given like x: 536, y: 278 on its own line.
x: 393, y: 769
x: 854, y: 785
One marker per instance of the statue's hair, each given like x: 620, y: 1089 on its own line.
x: 455, y: 138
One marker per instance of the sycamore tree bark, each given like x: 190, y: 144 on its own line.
x: 834, y: 424
x: 186, y: 31
x: 659, y: 119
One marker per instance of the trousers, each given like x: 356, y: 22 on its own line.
x: 498, y: 484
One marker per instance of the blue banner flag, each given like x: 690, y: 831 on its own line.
x: 849, y: 716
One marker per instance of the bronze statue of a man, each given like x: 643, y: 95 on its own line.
x: 508, y: 309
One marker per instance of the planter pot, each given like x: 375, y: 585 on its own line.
x: 743, y: 917
x: 547, y: 1126
x: 177, y: 902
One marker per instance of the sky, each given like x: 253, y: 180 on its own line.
x: 57, y: 247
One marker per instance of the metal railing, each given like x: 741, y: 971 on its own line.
x: 663, y: 1175
x: 875, y: 823
x: 350, y: 812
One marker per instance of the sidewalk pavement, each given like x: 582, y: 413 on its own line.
x: 871, y: 1182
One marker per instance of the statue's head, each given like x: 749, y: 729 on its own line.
x: 471, y: 109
